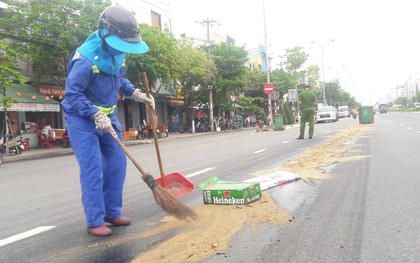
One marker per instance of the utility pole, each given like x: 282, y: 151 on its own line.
x: 207, y: 23
x: 323, y: 75
x: 270, y: 117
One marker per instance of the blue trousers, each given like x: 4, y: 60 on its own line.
x: 102, y: 169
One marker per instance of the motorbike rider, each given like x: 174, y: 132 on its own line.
x: 95, y: 77
x: 354, y: 112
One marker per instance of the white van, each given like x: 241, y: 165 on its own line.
x: 343, y: 111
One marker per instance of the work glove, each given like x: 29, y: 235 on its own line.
x: 102, y: 122
x: 142, y: 97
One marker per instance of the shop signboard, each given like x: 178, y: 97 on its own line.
x: 35, y: 107
x: 51, y: 91
x: 293, y: 95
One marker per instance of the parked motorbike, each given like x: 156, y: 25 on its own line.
x: 201, y: 125
x: 144, y: 133
x: 14, y: 144
x: 165, y: 134
x: 354, y: 115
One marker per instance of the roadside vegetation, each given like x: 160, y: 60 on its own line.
x: 45, y: 34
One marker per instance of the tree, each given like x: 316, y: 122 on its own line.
x: 282, y: 81
x: 338, y: 97
x: 193, y: 72
x: 295, y: 59
x: 159, y: 63
x: 9, y: 74
x: 231, y: 73
x: 293, y: 78
x: 312, y: 74
x: 46, y: 32
x: 251, y: 105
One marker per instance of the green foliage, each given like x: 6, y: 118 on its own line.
x: 9, y: 72
x: 46, y: 32
x: 312, y: 74
x: 193, y: 66
x: 295, y: 58
x: 416, y: 98
x: 231, y: 72
x: 282, y: 81
x: 335, y: 96
x: 195, y: 71
x: 401, y: 100
x: 251, y: 105
x: 159, y: 63
x: 288, y: 117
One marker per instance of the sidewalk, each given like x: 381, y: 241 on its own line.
x: 38, y: 153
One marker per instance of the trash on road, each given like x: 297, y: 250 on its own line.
x: 220, y: 192
x: 274, y: 179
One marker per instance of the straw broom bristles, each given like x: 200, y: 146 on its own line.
x: 167, y: 202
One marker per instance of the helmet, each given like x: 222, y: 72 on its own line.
x: 119, y: 29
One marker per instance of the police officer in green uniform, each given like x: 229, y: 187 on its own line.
x: 307, y: 102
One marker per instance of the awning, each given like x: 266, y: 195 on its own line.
x: 200, y: 114
x: 30, y: 99
x: 175, y: 102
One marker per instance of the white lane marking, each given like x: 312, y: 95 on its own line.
x: 285, y: 142
x: 24, y: 235
x: 409, y: 128
x: 260, y: 151
x: 200, y: 172
x: 418, y: 132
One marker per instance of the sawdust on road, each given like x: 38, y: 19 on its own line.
x: 218, y: 224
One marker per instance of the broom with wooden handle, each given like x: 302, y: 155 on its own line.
x: 165, y: 200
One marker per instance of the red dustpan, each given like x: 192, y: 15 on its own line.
x: 175, y: 183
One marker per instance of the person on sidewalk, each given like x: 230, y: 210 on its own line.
x: 46, y: 131
x: 94, y: 79
x: 307, y: 102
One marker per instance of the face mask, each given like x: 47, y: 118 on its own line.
x: 114, y: 51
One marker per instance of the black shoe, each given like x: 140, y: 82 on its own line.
x: 299, y: 138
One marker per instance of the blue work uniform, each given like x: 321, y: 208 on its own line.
x: 101, y: 160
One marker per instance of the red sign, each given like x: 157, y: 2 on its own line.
x: 268, y: 88
x: 54, y: 91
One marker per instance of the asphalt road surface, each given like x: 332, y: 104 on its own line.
x: 366, y: 212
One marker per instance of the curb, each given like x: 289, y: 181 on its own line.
x: 58, y: 151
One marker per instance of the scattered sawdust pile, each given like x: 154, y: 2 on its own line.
x: 307, y: 164
x: 217, y: 224
x: 212, y: 231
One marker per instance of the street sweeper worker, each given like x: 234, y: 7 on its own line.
x: 94, y: 79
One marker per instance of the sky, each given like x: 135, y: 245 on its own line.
x: 376, y: 43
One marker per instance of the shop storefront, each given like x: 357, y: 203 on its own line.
x: 31, y: 112
x: 177, y: 118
